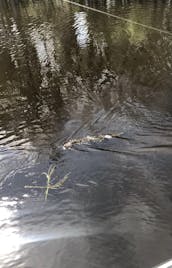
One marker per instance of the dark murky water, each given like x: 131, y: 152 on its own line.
x: 65, y: 73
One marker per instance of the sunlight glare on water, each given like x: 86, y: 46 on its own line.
x: 10, y: 238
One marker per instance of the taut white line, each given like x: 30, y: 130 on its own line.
x: 119, y: 18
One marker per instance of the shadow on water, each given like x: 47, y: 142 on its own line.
x: 67, y: 73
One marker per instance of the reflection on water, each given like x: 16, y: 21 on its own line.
x: 81, y: 27
x: 9, y: 233
x: 66, y: 73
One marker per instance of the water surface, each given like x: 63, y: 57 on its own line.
x: 67, y: 72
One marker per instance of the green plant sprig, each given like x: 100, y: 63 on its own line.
x: 50, y: 186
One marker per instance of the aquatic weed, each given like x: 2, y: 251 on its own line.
x: 49, y: 177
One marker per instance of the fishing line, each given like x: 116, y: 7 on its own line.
x: 120, y: 18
